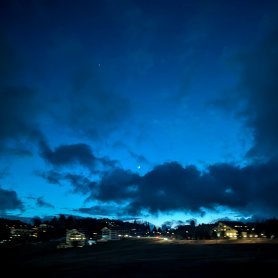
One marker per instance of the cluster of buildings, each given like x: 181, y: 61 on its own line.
x: 219, y: 230
x: 111, y: 231
x: 235, y: 230
x: 25, y: 232
x: 75, y: 238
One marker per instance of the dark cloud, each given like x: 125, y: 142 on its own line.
x: 51, y: 176
x: 255, y: 100
x: 9, y: 201
x: 170, y: 187
x: 18, y: 111
x: 260, y: 88
x: 19, y: 106
x: 104, y: 210
x: 41, y: 203
x: 80, y: 183
x: 91, y: 108
x: 66, y: 155
x: 100, y: 111
x: 117, y: 185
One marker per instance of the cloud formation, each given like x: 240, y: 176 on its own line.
x: 40, y: 202
x: 172, y: 187
x: 140, y: 74
x: 259, y: 87
x: 100, y: 111
x: 117, y: 185
x: 73, y: 154
x: 9, y: 201
x: 104, y: 210
x: 52, y: 176
x: 20, y: 107
x: 254, y: 101
x: 79, y: 183
x: 65, y: 155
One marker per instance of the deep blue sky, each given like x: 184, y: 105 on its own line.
x: 152, y: 109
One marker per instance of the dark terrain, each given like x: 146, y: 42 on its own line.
x: 144, y: 258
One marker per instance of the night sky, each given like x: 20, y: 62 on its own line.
x: 162, y: 110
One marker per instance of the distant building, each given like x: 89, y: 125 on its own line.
x: 113, y: 233
x: 223, y: 230
x: 235, y: 229
x: 74, y: 238
x: 19, y: 233
x: 41, y: 231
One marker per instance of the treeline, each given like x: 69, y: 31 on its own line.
x: 266, y: 228
x: 7, y: 224
x: 56, y: 227
x: 88, y: 225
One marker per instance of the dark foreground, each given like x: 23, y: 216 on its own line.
x: 144, y: 258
